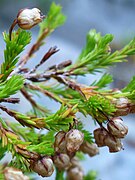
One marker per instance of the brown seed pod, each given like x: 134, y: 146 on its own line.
x: 113, y: 143
x: 60, y: 143
x: 44, y: 167
x: 27, y: 18
x: 100, y: 135
x: 117, y: 128
x: 75, y: 173
x: 74, y: 138
x: 90, y: 149
x: 13, y: 173
x: 61, y: 161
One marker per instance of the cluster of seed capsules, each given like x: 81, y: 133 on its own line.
x: 111, y: 137
x: 68, y: 143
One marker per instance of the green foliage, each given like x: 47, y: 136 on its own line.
x: 1, y: 173
x: 46, y: 145
x: 13, y: 48
x: 95, y: 41
x: 97, y: 106
x: 20, y: 162
x: 80, y: 155
x: 100, y: 107
x: 28, y: 134
x: 97, y: 55
x: 57, y: 121
x: 59, y: 175
x: 87, y: 135
x: 130, y: 87
x: 11, y: 86
x: 61, y: 119
x: 129, y: 95
x: 63, y: 91
x: 103, y: 81
x: 3, y: 150
x: 54, y: 19
x: 91, y: 175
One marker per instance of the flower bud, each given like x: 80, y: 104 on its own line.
x: 117, y: 128
x: 61, y: 161
x: 15, y: 174
x: 90, y: 149
x: 44, y: 167
x: 27, y: 18
x: 100, y: 135
x: 74, y: 139
x: 75, y: 161
x: 122, y: 102
x: 60, y: 143
x: 113, y: 143
x: 75, y: 173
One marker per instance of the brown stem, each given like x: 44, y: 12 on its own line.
x: 33, y: 103
x: 38, y: 122
x: 11, y: 28
x: 11, y: 100
x: 34, y: 48
x: 11, y: 113
x: 71, y: 84
x: 49, y: 94
x: 50, y: 52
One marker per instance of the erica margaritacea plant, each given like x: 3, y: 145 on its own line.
x: 65, y: 138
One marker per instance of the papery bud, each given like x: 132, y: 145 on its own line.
x: 27, y: 18
x: 100, y: 135
x: 60, y: 143
x: 75, y: 162
x: 61, y: 161
x: 117, y: 128
x: 74, y: 139
x: 11, y: 173
x: 90, y: 149
x: 44, y: 167
x: 122, y: 106
x: 75, y: 173
x: 122, y: 102
x: 113, y: 143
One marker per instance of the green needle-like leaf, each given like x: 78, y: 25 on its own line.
x: 11, y: 86
x: 14, y: 47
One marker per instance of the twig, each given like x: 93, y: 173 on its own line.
x: 50, y: 52
x: 30, y: 122
x: 11, y: 100
x: 11, y: 28
x: 51, y: 95
x: 33, y: 103
x: 71, y: 84
x: 61, y: 65
x: 33, y: 49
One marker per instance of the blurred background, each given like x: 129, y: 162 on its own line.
x: 106, y: 16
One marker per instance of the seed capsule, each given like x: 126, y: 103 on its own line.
x: 61, y: 161
x: 74, y: 139
x: 75, y: 162
x: 60, y: 143
x: 117, y: 128
x: 75, y: 173
x: 11, y: 173
x: 27, y: 18
x: 44, y: 167
x: 100, y: 135
x: 90, y: 149
x: 113, y: 143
